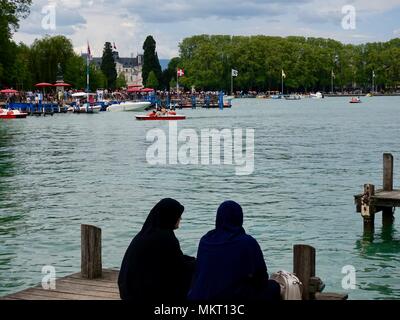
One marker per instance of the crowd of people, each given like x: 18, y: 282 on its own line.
x: 229, y: 263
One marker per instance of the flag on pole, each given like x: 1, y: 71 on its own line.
x: 88, y: 51
x: 283, y: 74
x: 180, y: 73
x: 333, y: 75
x: 234, y: 73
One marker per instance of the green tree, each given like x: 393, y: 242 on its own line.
x: 11, y: 12
x: 150, y: 60
x: 121, y: 81
x: 46, y: 54
x: 152, y: 81
x: 108, y: 66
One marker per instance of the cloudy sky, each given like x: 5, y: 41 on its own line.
x: 128, y: 22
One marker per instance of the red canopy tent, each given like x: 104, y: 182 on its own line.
x: 61, y: 84
x: 8, y: 91
x: 133, y: 89
x: 43, y: 85
x: 146, y: 90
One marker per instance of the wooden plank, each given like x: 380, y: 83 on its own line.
x: 331, y: 296
x: 74, y: 287
x: 93, y: 283
x: 107, y: 276
x: 40, y: 294
x: 91, y: 265
x: 304, y: 267
x: 387, y: 172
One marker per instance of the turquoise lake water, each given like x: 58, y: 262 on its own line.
x: 311, y: 157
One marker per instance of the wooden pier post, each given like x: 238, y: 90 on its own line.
x: 368, y: 210
x: 304, y: 267
x: 387, y: 212
x: 91, y: 266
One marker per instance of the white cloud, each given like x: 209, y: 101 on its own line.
x: 128, y: 22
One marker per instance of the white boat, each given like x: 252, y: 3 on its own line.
x: 129, y: 106
x: 293, y: 97
x: 317, y: 95
x: 89, y: 109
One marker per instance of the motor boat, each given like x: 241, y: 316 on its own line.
x: 11, y: 114
x: 129, y: 106
x: 355, y: 100
x: 293, y: 97
x: 171, y: 115
x: 317, y: 95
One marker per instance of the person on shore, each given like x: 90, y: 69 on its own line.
x: 154, y: 267
x: 230, y: 264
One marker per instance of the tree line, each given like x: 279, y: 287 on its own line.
x: 310, y: 64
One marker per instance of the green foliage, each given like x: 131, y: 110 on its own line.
x: 46, y: 54
x: 308, y: 63
x: 121, y: 81
x: 152, y: 81
x: 108, y: 66
x: 150, y: 60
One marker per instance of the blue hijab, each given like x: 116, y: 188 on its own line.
x: 228, y: 260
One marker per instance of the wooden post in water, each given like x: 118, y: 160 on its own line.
x: 91, y: 266
x: 387, y: 212
x: 368, y: 210
x: 304, y: 267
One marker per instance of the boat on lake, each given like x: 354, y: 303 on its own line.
x: 11, y: 114
x: 293, y: 97
x: 317, y: 95
x: 129, y: 106
x: 355, y: 100
x: 170, y: 115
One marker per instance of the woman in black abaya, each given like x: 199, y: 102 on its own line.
x: 154, y: 267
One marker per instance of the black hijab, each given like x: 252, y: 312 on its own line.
x: 154, y: 267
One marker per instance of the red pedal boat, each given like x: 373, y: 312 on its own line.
x: 169, y: 116
x: 11, y: 114
x: 355, y: 100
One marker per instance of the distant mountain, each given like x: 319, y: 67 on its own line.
x: 164, y: 63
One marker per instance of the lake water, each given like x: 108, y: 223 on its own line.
x: 311, y: 157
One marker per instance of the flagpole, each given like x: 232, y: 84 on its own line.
x: 231, y: 83
x: 332, y: 82
x: 177, y: 82
x: 282, y: 83
x: 87, y: 79
x: 373, y: 81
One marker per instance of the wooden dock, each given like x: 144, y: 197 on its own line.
x: 96, y: 283
x: 74, y: 287
x: 384, y: 200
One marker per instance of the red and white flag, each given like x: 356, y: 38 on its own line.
x: 180, y: 73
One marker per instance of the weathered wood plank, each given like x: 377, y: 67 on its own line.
x: 331, y: 296
x: 304, y: 267
x: 387, y: 172
x: 91, y: 265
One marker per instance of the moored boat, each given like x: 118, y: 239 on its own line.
x: 129, y: 106
x: 12, y: 114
